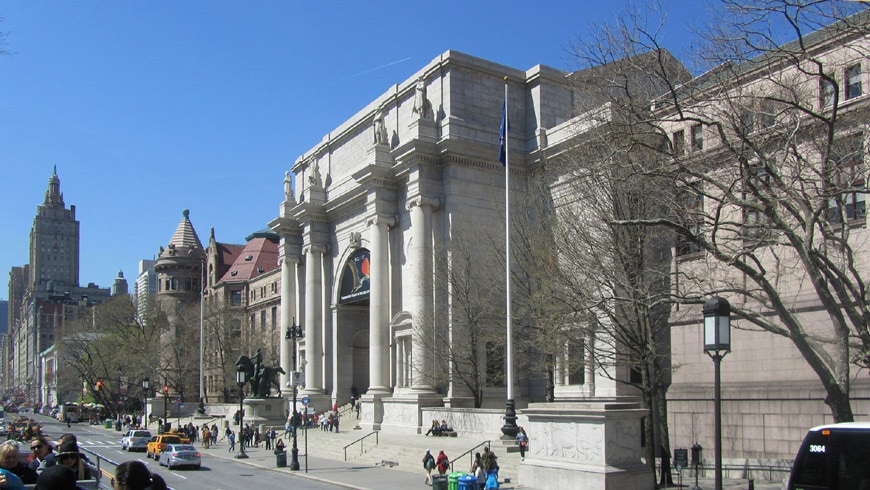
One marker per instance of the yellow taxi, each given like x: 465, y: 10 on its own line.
x: 158, y: 443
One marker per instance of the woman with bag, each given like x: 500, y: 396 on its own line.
x: 523, y: 442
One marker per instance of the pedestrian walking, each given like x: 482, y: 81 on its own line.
x: 443, y: 463
x: 523, y: 442
x: 232, y: 438
x: 428, y: 465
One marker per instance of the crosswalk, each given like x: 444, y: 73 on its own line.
x: 99, y: 443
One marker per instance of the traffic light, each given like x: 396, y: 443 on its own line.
x: 99, y: 386
x: 165, y: 391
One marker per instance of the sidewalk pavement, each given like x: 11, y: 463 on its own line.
x: 365, y: 476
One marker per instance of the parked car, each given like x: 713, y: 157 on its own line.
x: 177, y: 455
x: 135, y: 440
x: 158, y: 443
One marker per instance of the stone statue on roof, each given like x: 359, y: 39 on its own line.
x: 422, y: 107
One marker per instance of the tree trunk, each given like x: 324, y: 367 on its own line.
x: 840, y: 404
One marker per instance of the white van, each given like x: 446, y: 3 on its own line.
x: 835, y: 456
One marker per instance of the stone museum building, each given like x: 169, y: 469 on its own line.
x: 373, y: 212
x: 374, y: 215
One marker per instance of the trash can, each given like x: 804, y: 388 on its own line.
x: 468, y: 482
x: 453, y: 480
x: 281, y: 459
x: 108, y: 423
x: 439, y: 482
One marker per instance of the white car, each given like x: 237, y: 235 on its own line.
x: 175, y: 455
x: 135, y: 440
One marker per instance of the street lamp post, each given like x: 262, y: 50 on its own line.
x: 165, y: 405
x: 241, y: 379
x: 294, y: 332
x: 717, y: 343
x: 145, y: 384
x: 120, y: 403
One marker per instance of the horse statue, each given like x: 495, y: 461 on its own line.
x: 270, y: 378
x: 261, y: 378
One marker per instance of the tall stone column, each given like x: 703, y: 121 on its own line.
x: 421, y: 300
x: 288, y: 315
x: 379, y: 307
x: 313, y: 319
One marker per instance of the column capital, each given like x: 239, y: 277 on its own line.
x: 423, y: 201
x: 314, y: 248
x: 378, y: 220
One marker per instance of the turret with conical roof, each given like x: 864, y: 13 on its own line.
x: 179, y: 265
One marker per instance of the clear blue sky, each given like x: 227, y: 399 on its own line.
x: 148, y: 108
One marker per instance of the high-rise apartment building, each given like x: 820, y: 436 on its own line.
x: 54, y: 242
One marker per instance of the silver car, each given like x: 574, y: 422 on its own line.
x: 176, y: 455
x: 135, y: 440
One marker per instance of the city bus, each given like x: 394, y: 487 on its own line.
x: 835, y: 457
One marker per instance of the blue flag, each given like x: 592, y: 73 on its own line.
x: 502, y: 132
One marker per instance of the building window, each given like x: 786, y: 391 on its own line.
x: 746, y: 122
x: 188, y: 285
x: 853, y: 81
x: 263, y: 321
x: 235, y: 298
x: 827, y: 90
x: 275, y: 317
x: 693, y: 206
x: 755, y: 221
x: 576, y: 363
x: 679, y: 140
x: 697, y: 137
x: 848, y: 186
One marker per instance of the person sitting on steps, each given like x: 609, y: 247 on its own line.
x: 435, y: 429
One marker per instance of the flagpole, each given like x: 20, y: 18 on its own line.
x: 510, y: 416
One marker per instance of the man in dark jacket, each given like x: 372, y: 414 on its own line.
x: 43, y: 454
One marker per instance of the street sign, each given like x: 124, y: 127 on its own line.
x: 306, y: 401
x: 681, y: 458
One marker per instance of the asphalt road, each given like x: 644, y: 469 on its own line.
x: 215, y: 474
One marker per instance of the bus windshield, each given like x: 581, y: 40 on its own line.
x: 833, y: 458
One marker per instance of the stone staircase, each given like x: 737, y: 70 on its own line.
x: 405, y: 451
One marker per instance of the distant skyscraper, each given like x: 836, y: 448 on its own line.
x: 54, y: 243
x: 146, y: 284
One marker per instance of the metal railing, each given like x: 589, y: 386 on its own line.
x: 470, y: 453
x: 770, y: 472
x: 360, y: 441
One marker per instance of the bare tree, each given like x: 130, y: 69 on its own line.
x: 464, y: 352
x: 222, y: 343
x: 768, y: 157
x: 112, y: 342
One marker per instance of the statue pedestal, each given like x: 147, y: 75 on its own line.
x: 269, y: 411
x: 585, y: 445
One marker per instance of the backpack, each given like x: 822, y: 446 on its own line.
x: 428, y: 462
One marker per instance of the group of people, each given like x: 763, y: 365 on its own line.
x: 441, y: 429
x: 484, y: 468
x: 329, y: 423
x: 59, y: 466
